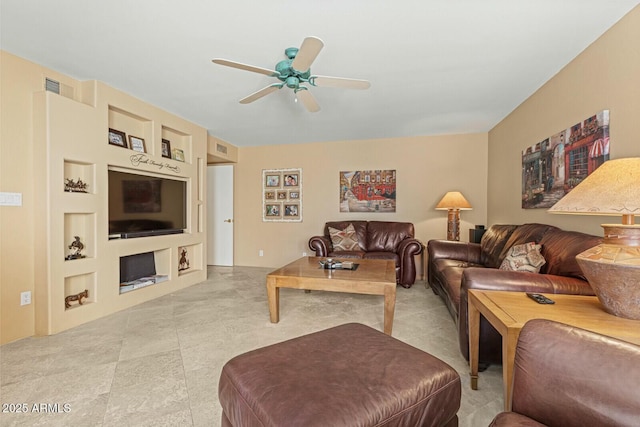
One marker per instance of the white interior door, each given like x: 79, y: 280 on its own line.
x: 220, y: 220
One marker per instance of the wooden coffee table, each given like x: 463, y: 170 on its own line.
x: 372, y: 277
x: 509, y: 311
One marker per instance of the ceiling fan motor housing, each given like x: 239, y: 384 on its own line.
x: 292, y: 82
x: 289, y: 75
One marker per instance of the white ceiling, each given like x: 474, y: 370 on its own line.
x: 436, y: 66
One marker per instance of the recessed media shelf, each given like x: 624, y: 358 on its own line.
x: 141, y: 270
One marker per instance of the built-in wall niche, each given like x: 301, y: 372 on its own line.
x: 143, y: 269
x: 179, y: 144
x: 79, y: 235
x: 79, y: 290
x: 79, y: 177
x: 132, y: 125
x: 189, y: 258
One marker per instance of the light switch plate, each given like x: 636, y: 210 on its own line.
x: 10, y: 199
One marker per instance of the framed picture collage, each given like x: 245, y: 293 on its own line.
x: 282, y: 195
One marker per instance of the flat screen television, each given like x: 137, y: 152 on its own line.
x: 145, y: 205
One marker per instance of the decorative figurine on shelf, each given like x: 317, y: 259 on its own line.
x: 76, y: 249
x: 72, y: 186
x: 76, y: 297
x: 183, y: 262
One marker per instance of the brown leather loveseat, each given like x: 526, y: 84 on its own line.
x: 375, y: 240
x: 455, y: 267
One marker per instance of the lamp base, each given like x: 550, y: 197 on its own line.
x: 613, y: 270
x: 453, y: 225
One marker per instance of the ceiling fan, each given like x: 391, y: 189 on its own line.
x: 293, y: 72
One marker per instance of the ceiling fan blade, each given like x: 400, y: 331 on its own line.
x: 308, y: 100
x: 259, y: 94
x: 341, y: 82
x: 241, y: 66
x: 311, y: 47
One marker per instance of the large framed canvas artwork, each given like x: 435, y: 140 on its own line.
x: 368, y: 191
x: 555, y: 165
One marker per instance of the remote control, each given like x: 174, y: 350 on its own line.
x: 540, y: 299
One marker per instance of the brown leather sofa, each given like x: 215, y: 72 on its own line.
x: 455, y: 267
x: 569, y: 377
x: 376, y: 240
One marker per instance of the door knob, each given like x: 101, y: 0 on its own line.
x: 228, y: 220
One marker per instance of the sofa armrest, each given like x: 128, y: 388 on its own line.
x: 503, y: 280
x: 461, y: 251
x: 595, y: 378
x: 409, y: 247
x: 321, y: 245
x: 407, y: 250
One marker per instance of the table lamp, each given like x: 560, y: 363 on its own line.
x: 613, y: 267
x: 453, y: 202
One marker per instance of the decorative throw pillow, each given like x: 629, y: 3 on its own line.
x: 344, y: 240
x: 524, y: 257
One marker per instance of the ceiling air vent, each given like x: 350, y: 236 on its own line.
x: 221, y: 149
x: 51, y: 85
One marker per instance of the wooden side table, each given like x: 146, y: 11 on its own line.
x: 509, y: 311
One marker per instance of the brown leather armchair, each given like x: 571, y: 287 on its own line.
x: 566, y: 376
x: 376, y: 240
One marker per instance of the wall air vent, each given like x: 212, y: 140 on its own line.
x: 221, y: 149
x: 51, y: 85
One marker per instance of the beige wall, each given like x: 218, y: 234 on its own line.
x: 604, y: 76
x: 20, y: 79
x: 427, y: 167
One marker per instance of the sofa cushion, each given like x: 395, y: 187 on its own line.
x: 347, y: 254
x: 525, y: 233
x: 344, y: 240
x: 493, y: 242
x: 524, y: 257
x: 384, y: 236
x: 359, y: 226
x: 383, y: 255
x: 448, y: 273
x: 560, y: 248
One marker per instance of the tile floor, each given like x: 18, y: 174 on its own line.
x: 157, y: 364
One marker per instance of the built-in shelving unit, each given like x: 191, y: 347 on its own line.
x: 75, y: 252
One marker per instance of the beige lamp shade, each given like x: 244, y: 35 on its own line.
x: 612, y: 189
x: 613, y: 267
x: 453, y: 200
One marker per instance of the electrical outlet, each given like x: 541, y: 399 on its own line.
x: 260, y: 252
x: 25, y: 298
x: 304, y: 254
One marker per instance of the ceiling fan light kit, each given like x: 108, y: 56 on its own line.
x: 294, y: 71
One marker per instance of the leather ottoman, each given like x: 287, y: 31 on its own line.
x: 349, y: 375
